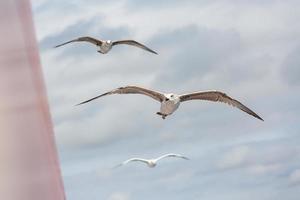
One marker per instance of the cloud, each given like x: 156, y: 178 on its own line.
x: 235, y: 158
x: 195, y: 57
x: 96, y: 128
x: 261, y: 158
x: 119, y: 196
x: 263, y: 169
x: 135, y: 4
x: 294, y: 177
x: 290, y: 67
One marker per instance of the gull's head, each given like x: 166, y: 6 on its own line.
x: 152, y: 163
x: 108, y: 42
x: 171, y: 96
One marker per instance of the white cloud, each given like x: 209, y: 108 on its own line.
x: 119, y: 196
x: 234, y: 158
x: 263, y: 169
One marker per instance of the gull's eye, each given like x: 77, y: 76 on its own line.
x: 172, y: 95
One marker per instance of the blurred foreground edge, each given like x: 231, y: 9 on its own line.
x: 29, y: 166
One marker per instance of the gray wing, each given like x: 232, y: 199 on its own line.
x: 83, y: 39
x: 172, y: 155
x: 130, y: 90
x: 132, y: 160
x: 133, y: 43
x: 217, y: 96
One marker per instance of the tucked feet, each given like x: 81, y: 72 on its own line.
x: 162, y: 115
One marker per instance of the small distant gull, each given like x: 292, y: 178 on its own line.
x: 170, y: 102
x: 106, y: 45
x: 152, y: 162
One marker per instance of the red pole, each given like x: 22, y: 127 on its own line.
x: 29, y: 167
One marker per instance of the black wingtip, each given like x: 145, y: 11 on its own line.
x: 62, y: 44
x: 92, y: 99
x: 58, y: 46
x: 150, y: 50
x: 256, y: 116
x: 83, y: 102
x: 261, y: 118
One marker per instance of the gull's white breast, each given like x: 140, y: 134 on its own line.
x: 168, y: 107
x: 105, y: 47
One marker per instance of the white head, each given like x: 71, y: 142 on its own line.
x: 152, y: 163
x: 171, y: 97
x: 108, y: 42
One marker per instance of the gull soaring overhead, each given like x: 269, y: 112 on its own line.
x: 152, y: 162
x: 106, y: 45
x: 170, y: 102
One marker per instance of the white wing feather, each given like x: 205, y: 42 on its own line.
x: 133, y: 160
x: 172, y: 155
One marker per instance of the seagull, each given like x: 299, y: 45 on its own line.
x: 106, y: 45
x: 152, y: 162
x: 170, y: 102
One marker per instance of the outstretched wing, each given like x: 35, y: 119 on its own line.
x: 172, y: 155
x: 217, y: 96
x: 83, y: 39
x: 132, y: 160
x: 133, y: 43
x: 130, y: 90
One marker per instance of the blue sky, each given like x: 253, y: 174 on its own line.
x: 248, y: 49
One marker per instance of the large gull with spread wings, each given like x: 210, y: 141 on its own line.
x: 170, y: 102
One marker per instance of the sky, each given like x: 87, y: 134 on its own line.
x: 247, y: 49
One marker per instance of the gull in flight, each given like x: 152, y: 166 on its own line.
x: 170, y: 102
x: 106, y: 45
x: 152, y: 162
